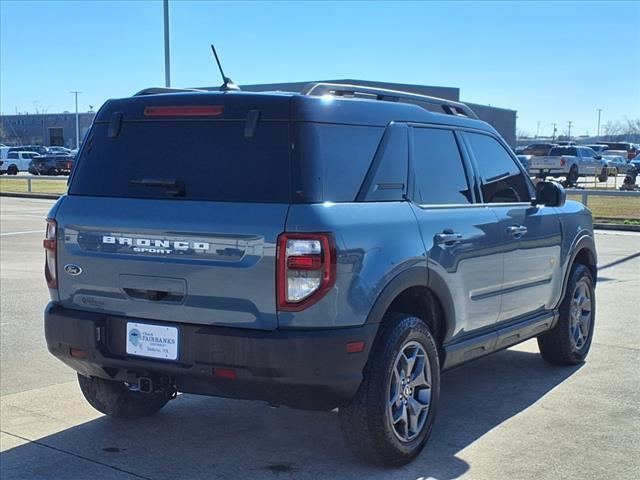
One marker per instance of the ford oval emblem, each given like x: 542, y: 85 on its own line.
x: 72, y: 269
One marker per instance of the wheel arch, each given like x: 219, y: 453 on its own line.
x: 583, y: 252
x: 410, y: 293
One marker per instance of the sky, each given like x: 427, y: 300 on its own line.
x: 550, y: 61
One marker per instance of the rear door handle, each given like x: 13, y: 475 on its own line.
x: 517, y: 230
x: 448, y: 238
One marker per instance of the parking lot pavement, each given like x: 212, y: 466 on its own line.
x: 506, y: 416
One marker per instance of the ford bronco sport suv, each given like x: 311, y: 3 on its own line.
x: 336, y: 248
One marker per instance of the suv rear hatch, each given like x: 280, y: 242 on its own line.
x: 174, y: 209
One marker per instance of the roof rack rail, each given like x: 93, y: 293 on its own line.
x: 159, y: 90
x: 449, y: 107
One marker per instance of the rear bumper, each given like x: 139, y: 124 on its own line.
x: 308, y: 369
x: 547, y: 171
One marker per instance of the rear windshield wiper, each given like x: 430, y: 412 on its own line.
x: 174, y: 187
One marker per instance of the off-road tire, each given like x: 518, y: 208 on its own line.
x: 556, y: 346
x: 364, y: 419
x: 116, y: 399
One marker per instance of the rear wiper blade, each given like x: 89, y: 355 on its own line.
x: 174, y: 187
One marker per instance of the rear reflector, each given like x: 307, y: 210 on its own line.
x: 224, y: 373
x: 184, y: 111
x: 355, y: 347
x: 78, y: 353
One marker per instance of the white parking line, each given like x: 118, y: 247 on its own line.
x: 20, y: 233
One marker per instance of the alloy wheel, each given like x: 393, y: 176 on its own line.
x: 580, y: 314
x: 409, y: 391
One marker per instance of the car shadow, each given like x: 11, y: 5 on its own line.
x: 199, y: 437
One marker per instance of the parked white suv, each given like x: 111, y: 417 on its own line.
x: 570, y: 162
x: 17, y: 162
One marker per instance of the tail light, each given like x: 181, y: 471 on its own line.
x: 50, y: 248
x: 306, y: 269
x: 562, y: 161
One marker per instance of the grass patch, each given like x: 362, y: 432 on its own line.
x: 608, y: 209
x: 612, y: 208
x: 19, y: 185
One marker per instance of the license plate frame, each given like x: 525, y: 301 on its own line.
x: 153, y: 341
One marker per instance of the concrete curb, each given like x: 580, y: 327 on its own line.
x: 616, y: 226
x: 53, y: 196
x: 48, y: 196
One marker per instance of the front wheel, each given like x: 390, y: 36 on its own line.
x: 569, y: 341
x: 12, y: 170
x: 391, y: 417
x: 116, y: 399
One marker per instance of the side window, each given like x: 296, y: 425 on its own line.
x: 12, y: 155
x: 439, y: 174
x: 586, y: 153
x: 502, y: 180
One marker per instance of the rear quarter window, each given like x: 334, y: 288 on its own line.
x: 332, y: 160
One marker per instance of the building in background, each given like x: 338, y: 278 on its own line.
x: 59, y: 128
x: 502, y: 119
x: 44, y: 129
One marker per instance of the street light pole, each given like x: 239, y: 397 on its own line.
x: 167, y: 66
x: 569, y: 123
x: 77, y: 122
x: 599, y: 112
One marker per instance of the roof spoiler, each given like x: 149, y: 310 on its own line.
x: 449, y: 107
x: 159, y: 90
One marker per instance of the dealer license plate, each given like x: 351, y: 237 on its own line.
x: 154, y: 341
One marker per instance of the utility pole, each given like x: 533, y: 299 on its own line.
x: 599, y: 112
x: 167, y: 67
x: 553, y: 136
x: 569, y: 123
x: 75, y: 92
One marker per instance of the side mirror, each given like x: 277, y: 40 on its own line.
x: 551, y: 194
x: 598, y: 157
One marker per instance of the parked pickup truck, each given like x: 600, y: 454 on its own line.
x: 570, y: 162
x: 51, y: 164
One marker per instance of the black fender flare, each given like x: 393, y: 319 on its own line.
x: 411, y: 277
x: 583, y: 242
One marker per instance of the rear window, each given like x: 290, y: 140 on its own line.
x: 187, y: 160
x: 559, y: 151
x: 620, y: 146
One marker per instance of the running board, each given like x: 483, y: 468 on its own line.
x: 498, y: 339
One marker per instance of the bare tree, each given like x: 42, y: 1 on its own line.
x: 520, y: 133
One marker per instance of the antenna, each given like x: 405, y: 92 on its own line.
x: 227, y: 83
